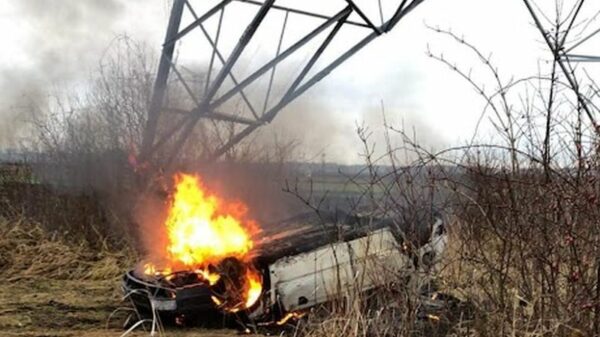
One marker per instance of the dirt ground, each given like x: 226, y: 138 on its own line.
x: 65, y: 308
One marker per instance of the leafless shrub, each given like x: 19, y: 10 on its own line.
x: 527, y: 206
x: 82, y: 141
x: 523, y: 207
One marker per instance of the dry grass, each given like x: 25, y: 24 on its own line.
x: 61, y: 288
x: 55, y: 287
x: 28, y: 252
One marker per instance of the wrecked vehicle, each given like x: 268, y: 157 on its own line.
x: 215, y: 260
x: 362, y: 259
x: 309, y: 260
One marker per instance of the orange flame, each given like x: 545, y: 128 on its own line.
x: 202, y: 231
x: 199, y: 232
x: 254, y: 289
x: 290, y: 315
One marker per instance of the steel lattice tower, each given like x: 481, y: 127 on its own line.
x: 211, y: 103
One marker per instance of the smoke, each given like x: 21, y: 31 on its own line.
x: 19, y: 92
x: 57, y: 41
x: 401, y: 120
x: 326, y: 130
x: 316, y: 126
x: 65, y: 40
x: 67, y: 35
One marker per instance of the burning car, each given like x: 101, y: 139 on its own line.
x: 218, y: 263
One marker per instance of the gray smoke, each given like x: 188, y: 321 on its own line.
x: 19, y: 92
x: 327, y: 131
x: 66, y: 40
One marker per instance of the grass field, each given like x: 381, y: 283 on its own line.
x: 52, y: 287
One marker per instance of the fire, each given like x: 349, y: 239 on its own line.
x: 289, y: 316
x: 202, y: 232
x: 199, y: 228
x: 254, y: 289
x: 245, y: 299
x: 212, y: 278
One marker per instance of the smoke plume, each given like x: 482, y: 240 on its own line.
x: 59, y: 41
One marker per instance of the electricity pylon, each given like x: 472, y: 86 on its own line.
x: 211, y: 103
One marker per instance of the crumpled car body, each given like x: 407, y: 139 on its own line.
x: 307, y: 261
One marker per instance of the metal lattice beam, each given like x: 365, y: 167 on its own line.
x: 211, y: 106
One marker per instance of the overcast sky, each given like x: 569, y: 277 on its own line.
x: 46, y: 42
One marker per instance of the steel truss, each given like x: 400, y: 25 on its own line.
x: 564, y: 57
x: 569, y: 56
x: 209, y: 106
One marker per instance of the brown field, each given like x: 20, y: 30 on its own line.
x: 65, y: 308
x: 56, y: 288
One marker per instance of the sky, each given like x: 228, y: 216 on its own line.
x: 50, y: 43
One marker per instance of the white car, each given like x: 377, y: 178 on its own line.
x: 306, y: 261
